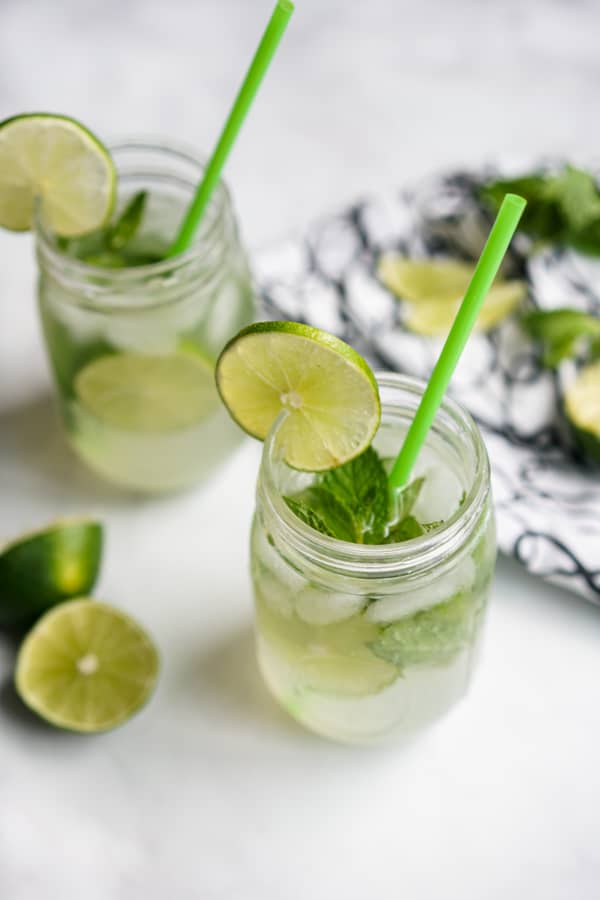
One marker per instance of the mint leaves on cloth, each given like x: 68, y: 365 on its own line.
x: 352, y: 503
x: 562, y: 207
x: 563, y: 333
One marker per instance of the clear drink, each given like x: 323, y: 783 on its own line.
x: 359, y: 642
x: 132, y: 340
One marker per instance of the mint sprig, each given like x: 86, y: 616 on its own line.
x: 562, y: 208
x: 352, y: 503
x: 563, y: 333
x: 126, y: 226
x: 108, y: 247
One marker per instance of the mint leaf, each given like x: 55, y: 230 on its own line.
x: 352, y: 503
x: 324, y: 509
x: 308, y: 516
x: 543, y: 217
x: 576, y: 193
x: 432, y: 636
x: 361, y: 486
x: 587, y: 239
x: 128, y: 222
x: 560, y: 331
x: 404, y: 530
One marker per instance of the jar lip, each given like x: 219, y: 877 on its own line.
x: 417, y: 554
x: 221, y: 198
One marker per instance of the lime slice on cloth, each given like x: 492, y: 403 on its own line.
x: 46, y: 567
x: 432, y: 291
x: 582, y: 407
x: 327, y: 390
x: 57, y: 160
x: 150, y: 393
x: 86, y: 666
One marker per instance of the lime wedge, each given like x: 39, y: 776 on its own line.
x: 432, y: 292
x: 44, y: 568
x: 57, y: 160
x: 327, y: 390
x: 582, y: 407
x: 86, y: 666
x: 135, y: 392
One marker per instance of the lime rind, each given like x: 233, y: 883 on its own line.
x: 76, y: 183
x: 86, y: 667
x: 328, y: 392
x: 45, y: 567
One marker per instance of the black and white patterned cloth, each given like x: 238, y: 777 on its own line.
x: 547, y: 500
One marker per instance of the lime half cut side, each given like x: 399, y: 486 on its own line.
x: 582, y: 407
x: 148, y: 393
x: 46, y: 567
x: 432, y: 290
x: 327, y: 390
x: 86, y: 667
x: 56, y: 161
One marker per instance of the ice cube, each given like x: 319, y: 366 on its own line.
x: 319, y: 607
x: 274, y: 594
x: 388, y: 609
x: 141, y: 335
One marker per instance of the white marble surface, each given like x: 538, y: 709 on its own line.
x: 211, y: 793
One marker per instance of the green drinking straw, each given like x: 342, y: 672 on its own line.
x: 486, y: 270
x: 258, y: 68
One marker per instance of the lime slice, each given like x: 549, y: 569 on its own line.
x: 582, y: 406
x: 134, y: 392
x: 360, y: 675
x: 86, y: 666
x: 417, y: 280
x: 432, y: 292
x: 56, y: 159
x: 46, y: 567
x: 330, y: 659
x: 327, y: 390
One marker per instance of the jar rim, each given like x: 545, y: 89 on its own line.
x: 414, y: 556
x: 129, y: 275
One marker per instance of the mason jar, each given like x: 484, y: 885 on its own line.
x: 133, y: 349
x: 361, y: 642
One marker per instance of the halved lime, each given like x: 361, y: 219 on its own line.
x: 41, y: 569
x: 153, y: 393
x: 54, y: 158
x: 582, y: 407
x: 86, y: 666
x: 327, y: 390
x: 432, y: 291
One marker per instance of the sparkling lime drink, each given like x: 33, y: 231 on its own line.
x: 132, y: 337
x: 361, y: 641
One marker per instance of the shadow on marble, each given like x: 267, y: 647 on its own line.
x: 227, y: 675
x: 33, y: 437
